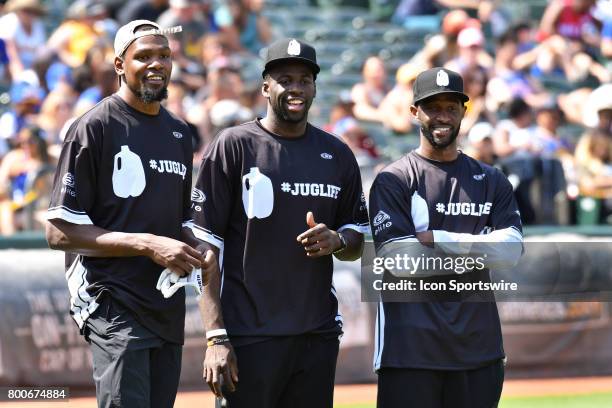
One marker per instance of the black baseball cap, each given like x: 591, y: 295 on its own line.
x: 436, y: 81
x: 290, y: 49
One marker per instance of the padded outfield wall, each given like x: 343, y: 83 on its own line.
x: 40, y: 344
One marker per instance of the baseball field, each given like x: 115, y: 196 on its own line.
x: 592, y: 392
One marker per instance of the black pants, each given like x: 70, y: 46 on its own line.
x: 407, y: 388
x: 295, y: 371
x: 133, y: 367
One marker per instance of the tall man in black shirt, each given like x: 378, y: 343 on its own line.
x: 122, y: 191
x: 277, y: 197
x: 436, y: 201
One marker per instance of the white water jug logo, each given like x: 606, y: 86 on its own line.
x: 442, y: 78
x: 257, y: 194
x: 128, y: 174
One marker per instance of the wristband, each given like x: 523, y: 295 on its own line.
x: 343, y: 244
x: 214, y: 333
x: 217, y: 340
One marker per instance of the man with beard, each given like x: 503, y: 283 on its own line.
x: 277, y: 197
x: 121, y: 193
x: 441, y: 349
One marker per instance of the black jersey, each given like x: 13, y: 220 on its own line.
x: 462, y: 196
x: 123, y: 170
x: 252, y: 194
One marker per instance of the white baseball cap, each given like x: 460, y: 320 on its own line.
x: 598, y: 100
x: 127, y: 34
x: 470, y: 36
x: 480, y: 131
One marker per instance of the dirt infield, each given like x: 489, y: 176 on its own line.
x: 366, y: 393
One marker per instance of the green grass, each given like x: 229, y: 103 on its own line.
x: 576, y: 401
x: 599, y: 400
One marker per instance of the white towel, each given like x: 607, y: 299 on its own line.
x: 169, y: 282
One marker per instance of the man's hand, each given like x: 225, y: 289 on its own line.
x: 318, y: 240
x: 426, y: 238
x: 175, y: 255
x: 220, y: 360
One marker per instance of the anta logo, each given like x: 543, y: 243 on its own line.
x: 169, y: 166
x: 311, y: 189
x: 197, y: 195
x: 486, y: 230
x: 380, y: 217
x: 381, y: 222
x: 464, y: 209
x: 68, y: 180
x: 68, y: 185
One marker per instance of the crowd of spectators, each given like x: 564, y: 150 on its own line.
x: 540, y: 100
x: 540, y: 95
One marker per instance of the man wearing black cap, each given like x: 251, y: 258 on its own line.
x: 282, y: 196
x: 121, y: 194
x: 436, y: 201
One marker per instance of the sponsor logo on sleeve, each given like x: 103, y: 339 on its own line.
x: 68, y: 185
x: 486, y: 230
x: 381, y: 221
x: 380, y: 218
x: 178, y: 135
x: 68, y: 180
x: 197, y: 196
x: 479, y: 177
x: 327, y: 156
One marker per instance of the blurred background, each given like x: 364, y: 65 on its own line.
x: 538, y: 74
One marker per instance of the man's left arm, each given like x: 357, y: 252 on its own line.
x: 319, y: 240
x: 345, y: 239
x: 500, y: 248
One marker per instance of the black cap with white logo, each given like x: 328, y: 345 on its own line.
x: 290, y: 49
x: 436, y: 81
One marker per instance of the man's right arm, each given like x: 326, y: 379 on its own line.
x: 93, y: 241
x: 211, y: 216
x: 220, y: 360
x: 397, y: 215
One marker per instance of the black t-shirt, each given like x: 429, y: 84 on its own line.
x: 123, y: 170
x: 253, y: 191
x: 463, y: 196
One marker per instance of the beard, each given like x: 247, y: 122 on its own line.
x: 285, y: 115
x: 147, y: 95
x: 426, y: 131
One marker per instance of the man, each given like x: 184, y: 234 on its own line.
x: 121, y: 192
x: 597, y: 111
x: 441, y: 353
x: 369, y: 94
x: 278, y: 197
